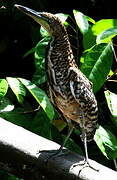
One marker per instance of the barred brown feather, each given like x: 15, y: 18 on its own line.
x: 71, y: 92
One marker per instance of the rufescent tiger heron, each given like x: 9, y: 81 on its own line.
x: 70, y: 91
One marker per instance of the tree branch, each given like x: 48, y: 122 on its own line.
x: 26, y: 155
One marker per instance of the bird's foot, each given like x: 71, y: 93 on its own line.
x: 53, y: 154
x: 85, y: 164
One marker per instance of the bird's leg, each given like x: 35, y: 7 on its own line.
x: 59, y: 151
x: 85, y: 163
x: 70, y: 130
x: 84, y: 139
x: 85, y: 148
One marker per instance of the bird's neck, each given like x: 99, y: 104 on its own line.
x: 60, y: 51
x: 59, y: 60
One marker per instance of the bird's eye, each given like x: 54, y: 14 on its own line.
x: 52, y: 21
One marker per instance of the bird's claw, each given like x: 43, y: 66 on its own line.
x: 84, y: 164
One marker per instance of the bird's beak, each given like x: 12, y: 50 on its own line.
x: 37, y: 16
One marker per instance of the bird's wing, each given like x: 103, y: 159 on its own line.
x: 81, y: 88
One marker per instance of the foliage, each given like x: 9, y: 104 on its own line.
x: 26, y: 103
x: 96, y: 63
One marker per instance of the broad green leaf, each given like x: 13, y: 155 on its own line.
x: 106, y: 142
x: 41, y: 125
x: 39, y: 76
x: 107, y: 35
x: 18, y: 117
x: 96, y: 64
x: 17, y: 87
x: 3, y: 88
x: 89, y: 39
x: 81, y: 21
x: 103, y: 25
x: 112, y: 102
x: 40, y: 97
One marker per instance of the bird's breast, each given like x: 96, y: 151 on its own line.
x: 58, y: 79
x: 69, y: 107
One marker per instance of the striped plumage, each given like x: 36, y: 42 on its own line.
x: 70, y: 90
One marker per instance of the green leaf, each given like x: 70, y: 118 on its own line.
x: 39, y: 76
x: 110, y: 73
x: 29, y: 52
x: 13, y: 178
x: 17, y: 87
x: 3, y: 88
x: 71, y: 145
x: 43, y: 32
x: 103, y: 25
x: 112, y: 102
x: 107, y: 35
x: 62, y: 17
x: 90, y: 19
x: 41, y: 125
x: 89, y: 39
x: 40, y: 97
x: 18, y: 117
x: 59, y: 124
x: 107, y: 142
x: 81, y: 21
x: 96, y: 64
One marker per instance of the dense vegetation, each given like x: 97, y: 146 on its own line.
x: 23, y: 82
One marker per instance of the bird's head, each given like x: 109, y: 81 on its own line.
x: 51, y: 23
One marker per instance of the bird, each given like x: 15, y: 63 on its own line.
x: 70, y: 90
